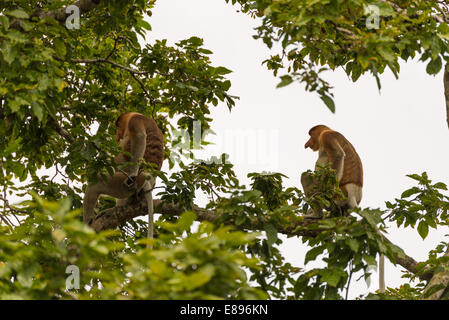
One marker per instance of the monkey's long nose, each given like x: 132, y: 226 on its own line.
x: 307, y: 145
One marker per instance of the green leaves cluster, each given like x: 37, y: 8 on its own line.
x: 423, y: 205
x: 319, y: 35
x: 347, y: 245
x: 61, y: 91
x: 205, y: 264
x: 58, y: 84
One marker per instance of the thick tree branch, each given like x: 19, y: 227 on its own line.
x: 113, y: 217
x: 440, y: 278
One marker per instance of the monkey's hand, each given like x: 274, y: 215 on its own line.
x: 130, y: 182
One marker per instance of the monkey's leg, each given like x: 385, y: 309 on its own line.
x: 121, y: 202
x: 91, y: 196
x: 309, y: 188
x: 112, y: 187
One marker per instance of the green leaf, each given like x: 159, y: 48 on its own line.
x: 410, y: 192
x: 186, y: 220
x: 370, y: 260
x: 443, y: 31
x: 331, y: 278
x: 353, y: 244
x: 240, y: 220
x: 313, y: 253
x: 13, y: 146
x: 16, y: 36
x: 8, y: 54
x: 27, y: 26
x: 25, y: 277
x: 222, y: 70
x: 143, y: 24
x: 200, y: 277
x: 37, y: 110
x: 4, y: 21
x: 285, y: 81
x: 440, y: 185
x: 423, y: 229
x: 387, y: 54
x: 329, y: 102
x: 414, y: 176
x: 60, y: 47
x: 434, y: 66
x: 18, y: 13
x: 272, y: 234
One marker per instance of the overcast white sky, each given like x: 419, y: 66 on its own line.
x: 402, y: 130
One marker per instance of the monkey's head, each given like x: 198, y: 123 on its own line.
x: 313, y: 143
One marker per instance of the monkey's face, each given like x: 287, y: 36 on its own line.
x: 315, y: 133
x: 312, y: 143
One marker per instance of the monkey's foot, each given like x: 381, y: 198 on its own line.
x: 130, y: 182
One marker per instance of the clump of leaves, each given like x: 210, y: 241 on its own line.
x: 205, y: 264
x: 424, y: 205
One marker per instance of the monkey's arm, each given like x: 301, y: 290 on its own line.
x: 138, y: 140
x: 335, y: 152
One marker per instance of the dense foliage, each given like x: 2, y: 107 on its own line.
x: 62, y: 89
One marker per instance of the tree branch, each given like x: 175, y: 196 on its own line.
x: 60, y: 14
x: 137, y: 206
x: 103, y: 61
x: 55, y: 125
x: 131, y: 71
x: 440, y: 278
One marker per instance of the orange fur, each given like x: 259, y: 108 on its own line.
x: 334, y: 148
x: 128, y: 125
x: 139, y: 136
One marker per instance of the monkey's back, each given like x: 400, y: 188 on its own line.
x: 154, y: 150
x: 353, y: 169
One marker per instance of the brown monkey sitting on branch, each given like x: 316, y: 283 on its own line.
x: 334, y: 149
x: 140, y: 137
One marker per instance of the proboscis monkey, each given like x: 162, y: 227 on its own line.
x: 334, y: 149
x: 139, y: 136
